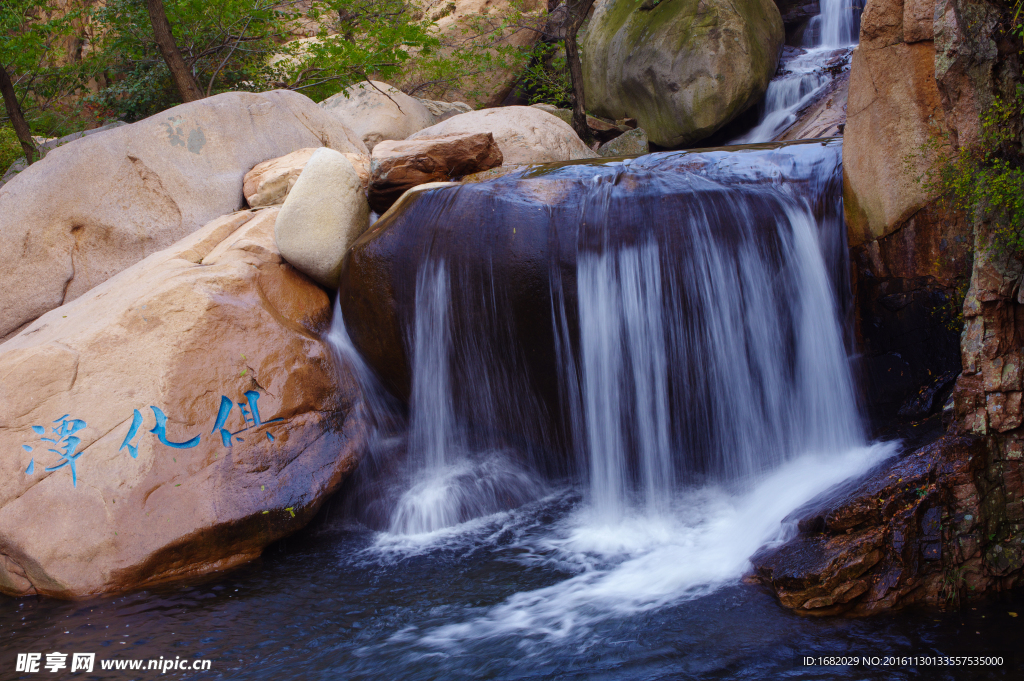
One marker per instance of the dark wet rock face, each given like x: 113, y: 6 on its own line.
x: 510, y: 248
x: 912, y: 531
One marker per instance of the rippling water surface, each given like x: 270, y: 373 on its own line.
x: 540, y: 592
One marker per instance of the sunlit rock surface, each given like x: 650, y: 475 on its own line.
x: 524, y: 134
x: 104, y: 202
x: 173, y: 421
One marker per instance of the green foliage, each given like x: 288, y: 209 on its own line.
x: 988, y: 176
x: 39, y: 35
x: 317, y: 47
x: 10, y: 148
x: 546, y: 79
x: 469, y: 54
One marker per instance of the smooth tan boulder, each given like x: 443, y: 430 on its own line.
x: 102, y: 203
x: 377, y: 111
x: 324, y: 213
x: 894, y: 116
x: 268, y: 183
x: 395, y: 166
x: 524, y: 134
x: 172, y: 421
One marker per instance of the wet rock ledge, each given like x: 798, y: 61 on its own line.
x: 912, y: 531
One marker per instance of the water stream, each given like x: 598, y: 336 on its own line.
x: 805, y: 71
x: 689, y: 318
x: 703, y: 380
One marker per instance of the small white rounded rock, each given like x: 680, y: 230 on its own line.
x: 325, y: 212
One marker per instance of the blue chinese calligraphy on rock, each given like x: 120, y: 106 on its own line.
x: 133, y: 450
x: 161, y: 432
x: 250, y: 417
x: 67, y: 444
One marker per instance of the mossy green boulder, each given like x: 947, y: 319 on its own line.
x: 682, y: 68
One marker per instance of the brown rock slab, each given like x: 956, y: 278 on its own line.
x: 398, y: 166
x: 879, y: 543
x: 172, y: 421
x: 893, y: 114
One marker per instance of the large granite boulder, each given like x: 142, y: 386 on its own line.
x: 481, y: 27
x: 102, y: 203
x: 43, y: 148
x: 524, y: 134
x: 172, y: 421
x: 682, y: 68
x: 377, y: 111
x: 442, y: 111
x: 398, y: 166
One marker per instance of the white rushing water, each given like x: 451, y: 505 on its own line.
x: 770, y: 381
x: 709, y: 396
x: 641, y: 561
x: 827, y: 42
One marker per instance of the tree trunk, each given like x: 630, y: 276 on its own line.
x: 577, y: 12
x: 182, y: 77
x: 16, y: 115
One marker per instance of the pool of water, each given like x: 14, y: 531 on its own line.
x: 526, y: 594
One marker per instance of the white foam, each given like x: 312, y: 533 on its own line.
x: 643, y: 562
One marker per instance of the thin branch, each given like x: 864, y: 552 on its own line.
x: 209, y: 88
x: 367, y: 79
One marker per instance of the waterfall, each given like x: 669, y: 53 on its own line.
x: 742, y: 330
x: 805, y: 73
x: 628, y: 374
x: 625, y: 375
x: 838, y: 24
x: 678, y: 324
x: 432, y: 437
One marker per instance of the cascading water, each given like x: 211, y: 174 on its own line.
x: 805, y: 72
x: 837, y: 25
x: 744, y: 333
x: 670, y: 326
x: 625, y: 376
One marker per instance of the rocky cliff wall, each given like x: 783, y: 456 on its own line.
x: 922, y: 75
x: 943, y: 522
